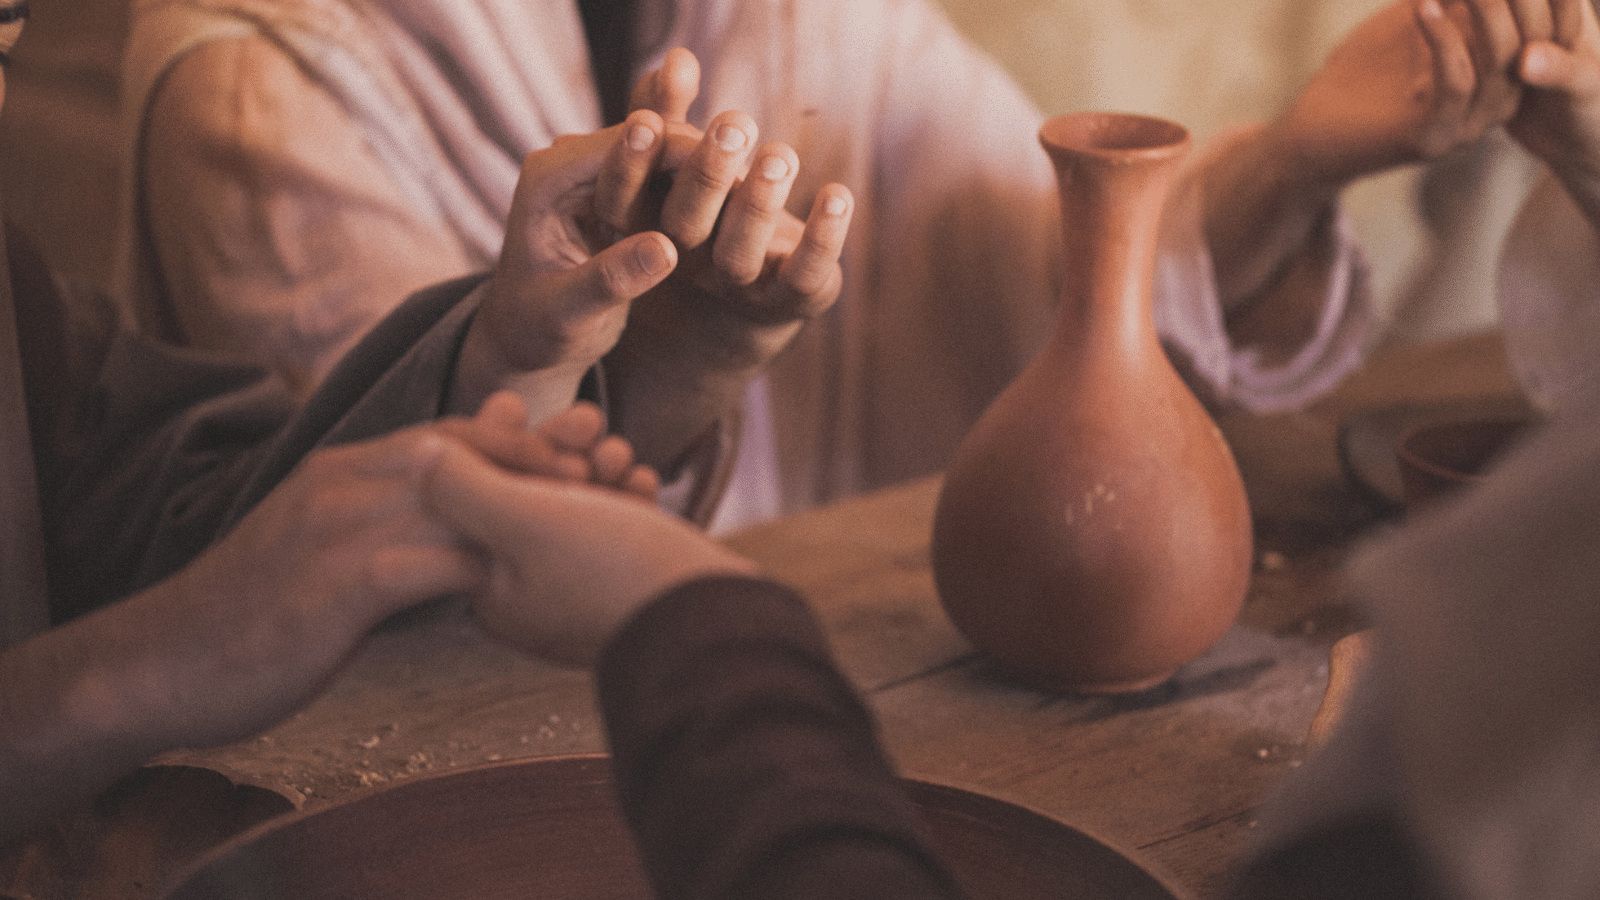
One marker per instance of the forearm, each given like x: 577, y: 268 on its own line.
x: 1263, y: 214
x: 73, y: 715
x: 800, y: 785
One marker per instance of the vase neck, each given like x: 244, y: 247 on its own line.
x: 1113, y: 173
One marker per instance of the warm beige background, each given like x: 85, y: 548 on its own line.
x: 1205, y: 63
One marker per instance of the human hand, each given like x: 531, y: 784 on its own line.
x: 249, y: 631
x: 1415, y: 80
x: 568, y: 563
x: 560, y: 293
x: 1559, y: 119
x: 569, y: 446
x: 750, y: 273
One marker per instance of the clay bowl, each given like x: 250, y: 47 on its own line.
x: 1440, y: 458
x: 548, y: 828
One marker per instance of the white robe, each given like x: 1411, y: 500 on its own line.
x: 398, y: 169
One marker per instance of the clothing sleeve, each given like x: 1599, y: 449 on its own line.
x: 278, y: 235
x: 745, y: 763
x: 171, y: 446
x: 1548, y: 290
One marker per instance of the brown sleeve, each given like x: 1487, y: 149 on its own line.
x: 746, y: 763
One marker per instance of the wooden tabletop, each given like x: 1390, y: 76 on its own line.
x: 1175, y: 775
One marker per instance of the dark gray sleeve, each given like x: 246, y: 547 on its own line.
x: 170, y: 447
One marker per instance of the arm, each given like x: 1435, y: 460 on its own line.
x: 234, y: 642
x: 1413, y: 81
x: 255, y: 626
x: 745, y: 762
x: 796, y: 799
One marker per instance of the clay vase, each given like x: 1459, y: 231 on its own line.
x: 1093, y: 533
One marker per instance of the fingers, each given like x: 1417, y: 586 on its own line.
x: 1551, y: 66
x: 1535, y: 20
x: 1567, y: 18
x: 670, y: 90
x: 621, y: 185
x: 811, y: 273
x: 752, y: 214
x: 1452, y: 59
x: 701, y: 186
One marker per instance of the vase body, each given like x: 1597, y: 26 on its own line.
x: 1093, y: 533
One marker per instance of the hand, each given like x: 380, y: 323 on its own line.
x: 561, y: 291
x: 751, y: 274
x: 1559, y: 120
x: 568, y: 563
x: 1415, y: 80
x: 569, y: 446
x: 250, y: 630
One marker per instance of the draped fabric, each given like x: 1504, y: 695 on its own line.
x: 24, y: 606
x: 949, y: 267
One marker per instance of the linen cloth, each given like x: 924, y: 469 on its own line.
x: 369, y: 148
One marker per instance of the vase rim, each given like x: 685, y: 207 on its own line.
x: 1114, y: 134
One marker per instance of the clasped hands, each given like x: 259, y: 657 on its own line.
x: 664, y: 250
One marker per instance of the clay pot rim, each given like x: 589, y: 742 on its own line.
x: 1502, y: 432
x: 1114, y: 135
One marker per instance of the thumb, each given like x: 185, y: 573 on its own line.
x: 626, y: 269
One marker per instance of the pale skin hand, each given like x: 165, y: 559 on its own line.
x: 568, y: 563
x: 734, y: 276
x: 750, y: 274
x: 255, y: 627
x: 1415, y: 80
x: 1559, y: 119
x: 560, y: 294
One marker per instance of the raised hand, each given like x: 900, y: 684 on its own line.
x: 1559, y: 120
x: 1415, y: 80
x: 561, y: 291
x: 750, y: 273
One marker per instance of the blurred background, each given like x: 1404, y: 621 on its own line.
x: 1204, y: 63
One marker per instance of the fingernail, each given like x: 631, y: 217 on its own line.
x: 652, y: 258
x: 774, y: 168
x: 1534, y: 63
x: 730, y: 138
x: 835, y: 206
x: 640, y: 138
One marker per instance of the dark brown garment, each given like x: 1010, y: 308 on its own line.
x: 147, y: 453
x: 745, y: 762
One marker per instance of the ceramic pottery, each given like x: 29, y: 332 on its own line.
x: 1093, y: 533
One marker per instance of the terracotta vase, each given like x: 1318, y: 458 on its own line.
x: 1093, y: 533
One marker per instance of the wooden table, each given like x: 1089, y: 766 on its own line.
x: 1176, y: 775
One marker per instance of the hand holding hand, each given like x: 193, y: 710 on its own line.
x: 568, y: 563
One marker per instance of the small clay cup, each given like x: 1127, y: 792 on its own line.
x: 1438, y: 459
